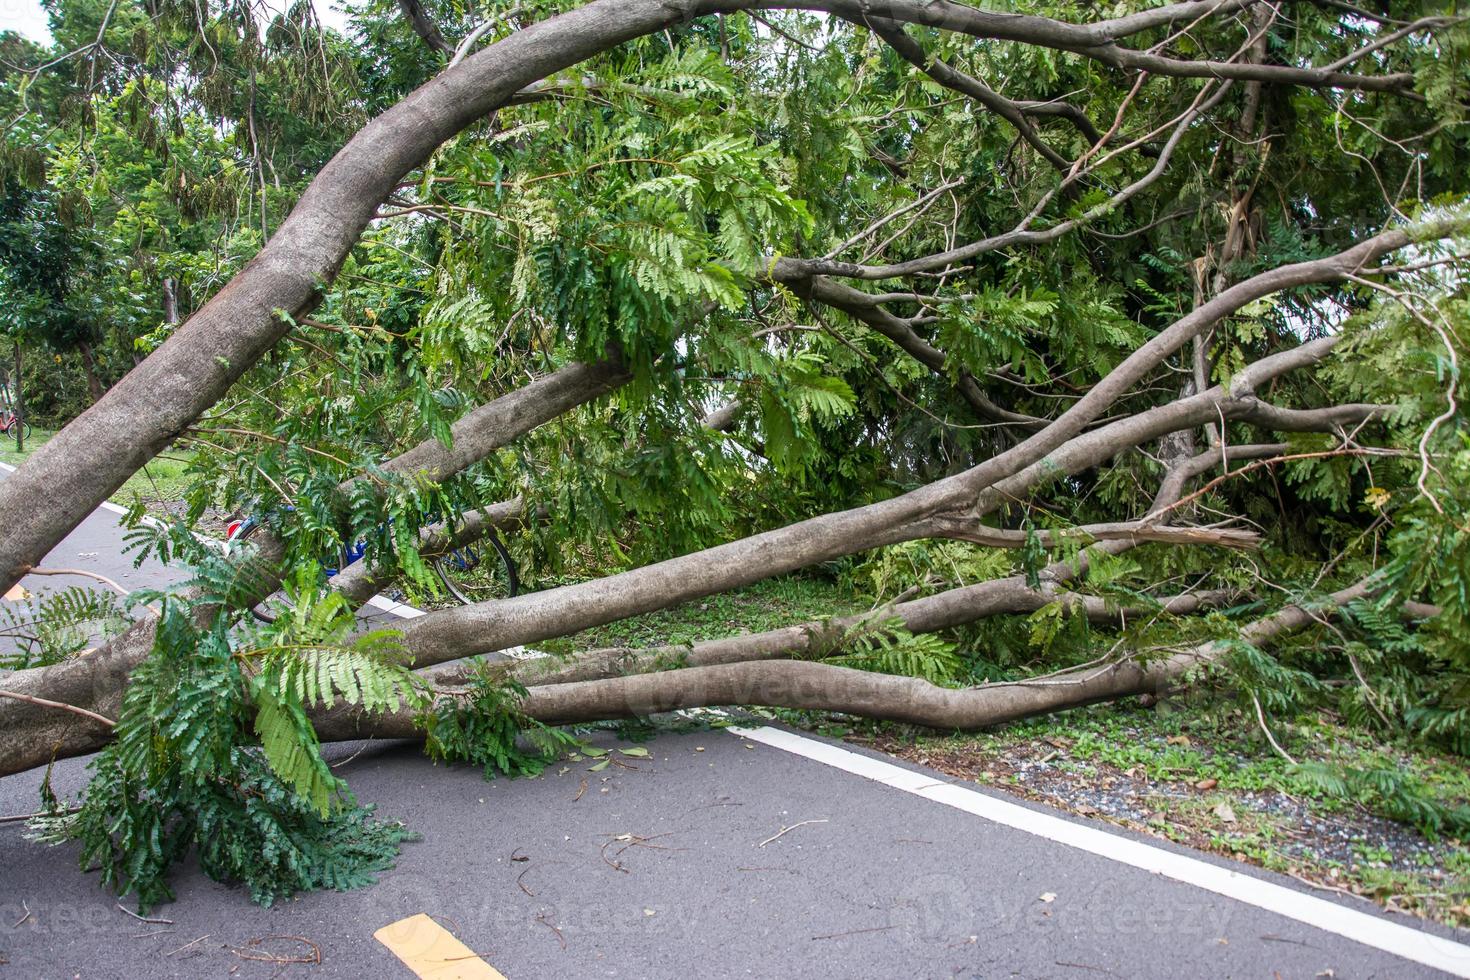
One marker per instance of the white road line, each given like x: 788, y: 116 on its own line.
x: 1360, y: 927
x: 399, y: 609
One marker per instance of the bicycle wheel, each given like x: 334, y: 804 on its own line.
x: 473, y: 574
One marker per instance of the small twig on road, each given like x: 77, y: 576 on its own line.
x: 365, y: 745
x: 81, y: 573
x: 559, y: 937
x: 854, y: 932
x: 18, y: 817
x: 609, y: 861
x: 187, y: 945
x: 21, y: 921
x: 786, y: 830
x: 140, y: 918
x: 580, y: 790
x: 708, y: 806
x: 790, y: 871
x: 315, y: 956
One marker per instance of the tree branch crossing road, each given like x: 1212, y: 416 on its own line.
x: 743, y: 853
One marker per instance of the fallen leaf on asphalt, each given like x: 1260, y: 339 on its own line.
x: 598, y: 767
x: 1224, y: 812
x: 1207, y: 784
x: 593, y: 751
x: 637, y: 753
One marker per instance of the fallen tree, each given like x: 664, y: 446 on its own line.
x: 684, y: 384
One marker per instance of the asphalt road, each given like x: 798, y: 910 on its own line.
x: 676, y: 864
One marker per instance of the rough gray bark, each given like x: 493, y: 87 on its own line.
x: 495, y: 423
x: 424, y: 27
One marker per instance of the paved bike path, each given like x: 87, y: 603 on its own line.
x: 716, y: 855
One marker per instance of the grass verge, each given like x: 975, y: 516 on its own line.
x: 160, y: 482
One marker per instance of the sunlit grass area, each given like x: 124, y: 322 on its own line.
x: 163, y: 479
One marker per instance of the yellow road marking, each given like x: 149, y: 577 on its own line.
x: 432, y: 952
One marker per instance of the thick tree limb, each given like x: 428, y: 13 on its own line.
x: 1133, y: 531
x: 822, y: 687
x: 360, y: 581
x: 502, y: 420
x: 1095, y: 41
x: 424, y: 26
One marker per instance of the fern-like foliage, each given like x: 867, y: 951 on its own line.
x: 52, y: 627
x: 214, y: 750
x: 881, y: 644
x: 1389, y: 792
x: 484, y: 726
